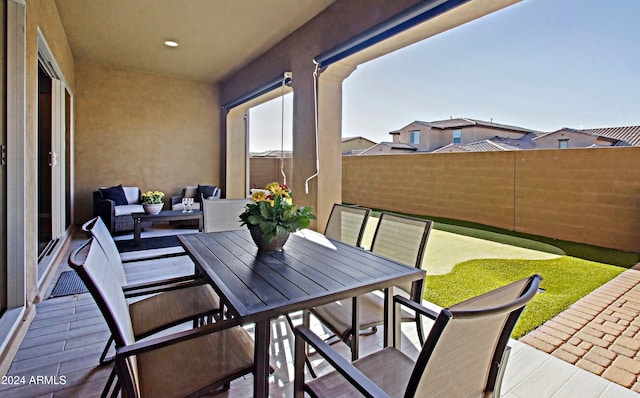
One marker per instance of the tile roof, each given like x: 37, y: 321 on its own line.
x: 627, y: 136
x: 524, y: 142
x: 391, y: 145
x: 358, y: 137
x: 466, y: 122
x: 492, y: 144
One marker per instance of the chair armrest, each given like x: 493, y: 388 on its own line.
x: 418, y: 308
x: 158, y: 257
x: 174, y: 338
x: 164, y: 285
x: 343, y: 366
x: 176, y: 199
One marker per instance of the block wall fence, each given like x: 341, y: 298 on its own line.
x: 583, y: 195
x: 589, y: 195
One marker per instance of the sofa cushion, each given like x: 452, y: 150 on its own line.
x: 125, y: 210
x: 190, y: 191
x: 204, y: 191
x: 116, y: 194
x: 132, y: 194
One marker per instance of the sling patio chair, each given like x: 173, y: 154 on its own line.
x: 172, y: 302
x: 223, y: 214
x: 464, y: 355
x: 347, y: 223
x: 400, y: 238
x: 197, y: 361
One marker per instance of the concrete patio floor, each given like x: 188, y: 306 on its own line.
x: 68, y: 334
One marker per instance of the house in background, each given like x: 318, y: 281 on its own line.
x: 420, y: 136
x: 586, y: 138
x: 472, y: 135
x: 355, y: 145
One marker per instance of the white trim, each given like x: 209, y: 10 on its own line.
x: 58, y: 159
x: 16, y: 146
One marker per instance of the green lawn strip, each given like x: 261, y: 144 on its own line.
x: 535, y: 242
x: 566, y: 280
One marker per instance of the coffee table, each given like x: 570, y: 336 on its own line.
x: 166, y: 215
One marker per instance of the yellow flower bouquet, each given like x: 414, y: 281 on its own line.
x: 273, y: 211
x: 152, y: 197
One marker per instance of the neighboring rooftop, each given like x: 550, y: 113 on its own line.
x: 466, y: 122
x: 626, y: 136
x: 401, y: 146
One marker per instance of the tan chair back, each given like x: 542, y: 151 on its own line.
x: 347, y: 223
x: 92, y: 264
x: 403, y: 239
x: 466, y: 344
x: 97, y: 229
x: 96, y: 272
x: 223, y: 214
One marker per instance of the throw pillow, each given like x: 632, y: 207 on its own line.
x: 204, y: 191
x: 116, y: 194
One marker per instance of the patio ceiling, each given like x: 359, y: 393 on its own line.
x: 216, y: 37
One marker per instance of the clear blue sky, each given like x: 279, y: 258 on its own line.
x: 539, y: 64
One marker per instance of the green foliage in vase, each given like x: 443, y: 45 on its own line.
x: 274, y: 212
x: 152, y: 197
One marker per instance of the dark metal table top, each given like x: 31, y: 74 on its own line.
x: 310, y: 271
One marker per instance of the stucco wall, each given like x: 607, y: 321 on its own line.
x: 356, y: 143
x: 576, y: 140
x: 266, y: 170
x: 582, y: 195
x: 138, y: 129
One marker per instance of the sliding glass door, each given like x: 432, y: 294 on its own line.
x: 53, y: 160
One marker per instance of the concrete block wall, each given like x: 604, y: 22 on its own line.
x: 267, y: 170
x: 584, y: 195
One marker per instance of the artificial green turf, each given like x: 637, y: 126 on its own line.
x: 535, y: 242
x: 565, y: 280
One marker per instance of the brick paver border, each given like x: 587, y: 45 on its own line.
x: 600, y: 332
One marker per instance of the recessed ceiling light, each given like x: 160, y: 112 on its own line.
x: 171, y: 43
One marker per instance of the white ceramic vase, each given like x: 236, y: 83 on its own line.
x: 153, y: 208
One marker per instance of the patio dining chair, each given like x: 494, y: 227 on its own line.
x: 173, y: 301
x: 400, y: 238
x: 347, y: 223
x: 462, y: 357
x: 198, y: 361
x: 223, y: 214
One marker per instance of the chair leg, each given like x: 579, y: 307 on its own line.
x: 501, y: 370
x: 306, y: 358
x: 107, y: 387
x: 116, y: 389
x: 420, y: 329
x: 103, y: 357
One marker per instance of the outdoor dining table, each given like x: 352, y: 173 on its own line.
x: 311, y: 270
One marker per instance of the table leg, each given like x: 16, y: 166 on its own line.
x: 137, y: 228
x: 201, y: 223
x: 387, y: 339
x: 261, y: 358
x: 355, y: 328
